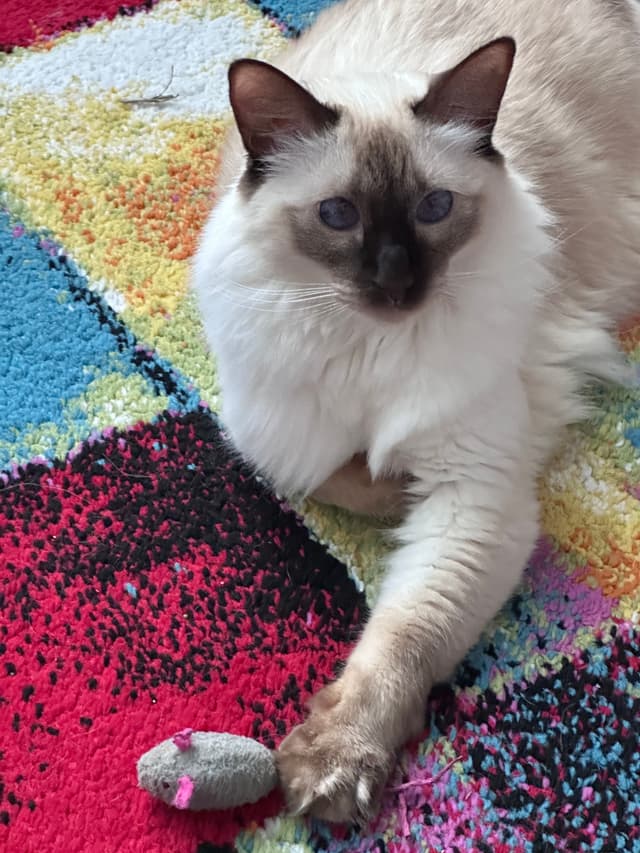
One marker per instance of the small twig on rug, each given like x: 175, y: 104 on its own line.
x: 160, y: 98
x: 108, y: 461
x: 38, y: 487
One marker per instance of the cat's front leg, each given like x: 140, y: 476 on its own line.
x: 463, y: 551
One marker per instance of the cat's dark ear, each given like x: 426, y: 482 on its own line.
x: 269, y: 106
x: 471, y: 92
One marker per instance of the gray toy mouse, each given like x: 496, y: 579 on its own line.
x: 208, y: 770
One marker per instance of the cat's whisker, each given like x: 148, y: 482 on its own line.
x: 284, y: 284
x: 288, y: 300
x: 291, y: 291
x: 466, y: 274
x: 561, y: 239
x: 310, y: 306
x: 300, y: 290
x: 306, y: 285
x: 334, y: 311
x: 283, y: 297
x: 458, y: 274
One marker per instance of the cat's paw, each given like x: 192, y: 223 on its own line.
x: 331, y: 766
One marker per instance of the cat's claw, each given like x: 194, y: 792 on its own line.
x: 330, y: 767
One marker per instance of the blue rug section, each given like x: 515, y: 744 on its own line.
x: 58, y: 341
x: 295, y: 15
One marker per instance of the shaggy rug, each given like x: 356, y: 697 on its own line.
x: 148, y: 583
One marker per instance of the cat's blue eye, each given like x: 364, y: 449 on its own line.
x: 339, y: 213
x: 435, y: 207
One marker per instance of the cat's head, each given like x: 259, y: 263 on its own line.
x: 367, y: 194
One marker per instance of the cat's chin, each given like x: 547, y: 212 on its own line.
x: 387, y: 307
x: 385, y: 310
x: 389, y: 314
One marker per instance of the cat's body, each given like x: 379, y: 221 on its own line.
x: 468, y: 389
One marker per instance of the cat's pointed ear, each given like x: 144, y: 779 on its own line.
x: 269, y: 106
x: 471, y: 92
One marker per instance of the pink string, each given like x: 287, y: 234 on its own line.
x: 405, y: 828
x: 420, y: 783
x: 404, y: 823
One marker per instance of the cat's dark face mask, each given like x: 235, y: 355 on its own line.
x: 391, y: 233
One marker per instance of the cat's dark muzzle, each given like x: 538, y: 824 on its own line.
x: 392, y: 283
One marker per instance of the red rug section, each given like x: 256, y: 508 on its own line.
x: 149, y: 585
x: 23, y: 22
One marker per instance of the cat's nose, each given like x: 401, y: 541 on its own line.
x: 393, y: 272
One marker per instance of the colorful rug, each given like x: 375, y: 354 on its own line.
x: 148, y: 583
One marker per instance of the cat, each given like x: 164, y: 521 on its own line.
x: 428, y: 225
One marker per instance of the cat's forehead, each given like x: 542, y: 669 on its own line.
x: 373, y: 158
x: 383, y: 157
x: 369, y: 156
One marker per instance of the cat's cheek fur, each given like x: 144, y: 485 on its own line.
x: 272, y: 421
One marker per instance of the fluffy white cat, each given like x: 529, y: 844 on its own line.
x: 406, y: 279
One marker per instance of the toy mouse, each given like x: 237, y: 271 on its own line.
x: 208, y: 770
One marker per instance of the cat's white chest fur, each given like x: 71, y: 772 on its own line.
x: 298, y: 415
x: 297, y: 427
